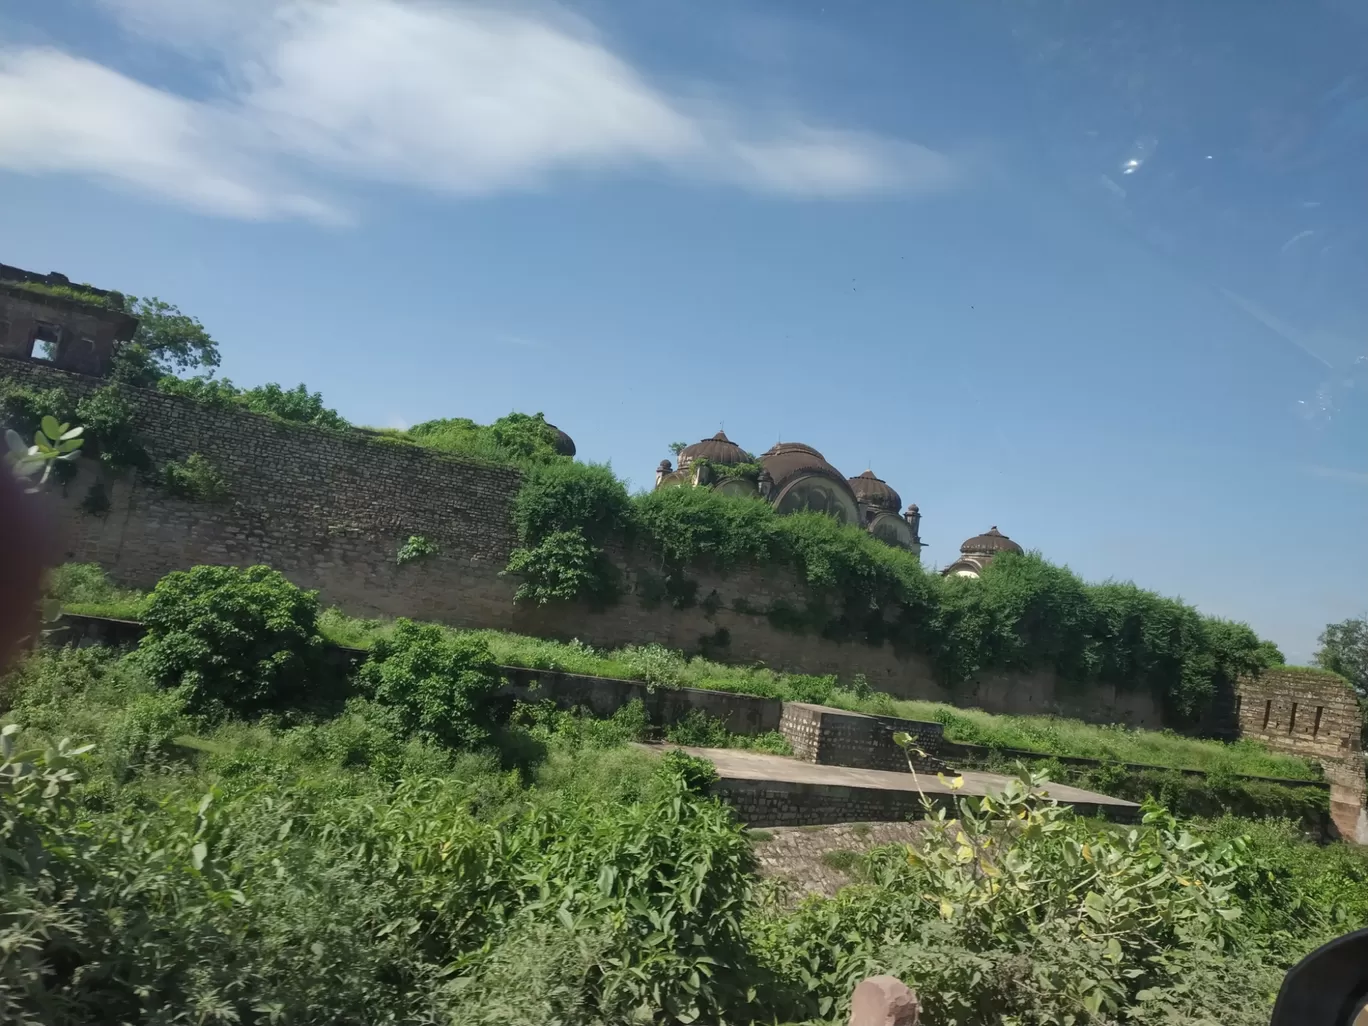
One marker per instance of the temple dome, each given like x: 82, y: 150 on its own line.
x: 990, y: 543
x: 875, y: 491
x: 718, y: 449
x: 564, y: 444
x: 787, y: 460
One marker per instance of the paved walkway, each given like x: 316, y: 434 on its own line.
x: 738, y: 764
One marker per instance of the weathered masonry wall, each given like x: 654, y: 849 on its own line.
x: 330, y: 510
x: 776, y: 803
x: 837, y: 737
x: 1315, y: 715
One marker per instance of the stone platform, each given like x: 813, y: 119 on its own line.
x: 774, y: 790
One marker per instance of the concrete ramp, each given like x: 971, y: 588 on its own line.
x: 774, y: 790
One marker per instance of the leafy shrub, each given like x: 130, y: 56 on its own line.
x: 417, y: 547
x: 297, y: 405
x: 519, y: 439
x: 654, y: 664
x: 696, y: 775
x: 108, y: 416
x: 441, y: 683
x: 23, y: 407
x: 574, y: 730
x: 563, y: 514
x: 195, y: 478
x: 698, y: 730
x: 241, y: 639
x: 83, y: 584
x: 282, y: 903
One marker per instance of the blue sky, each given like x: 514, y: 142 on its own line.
x: 1091, y: 276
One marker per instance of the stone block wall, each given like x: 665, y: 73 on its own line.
x: 1316, y: 715
x: 331, y: 509
x: 779, y: 803
x: 836, y: 737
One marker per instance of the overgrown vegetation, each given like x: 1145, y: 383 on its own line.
x: 241, y: 640
x: 294, y: 405
x: 440, y: 683
x: 336, y: 867
x: 83, y: 588
x: 106, y: 416
x: 518, y: 439
x: 1023, y: 613
x: 417, y: 547
x: 195, y: 477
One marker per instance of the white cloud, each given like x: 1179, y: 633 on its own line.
x: 63, y: 114
x: 450, y: 97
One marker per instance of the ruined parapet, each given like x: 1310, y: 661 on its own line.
x: 1314, y: 714
x: 44, y: 317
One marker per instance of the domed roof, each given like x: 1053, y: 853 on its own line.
x: 788, y: 460
x: 990, y: 543
x: 718, y: 449
x: 564, y: 444
x: 874, y: 491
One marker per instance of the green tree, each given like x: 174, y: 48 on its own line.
x: 167, y: 341
x: 441, y: 684
x: 240, y: 639
x: 1344, y: 650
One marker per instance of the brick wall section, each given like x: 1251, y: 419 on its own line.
x: 777, y: 803
x: 836, y: 737
x: 330, y: 510
x: 1315, y: 715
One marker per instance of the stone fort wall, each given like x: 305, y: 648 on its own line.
x: 331, y: 509
x: 1317, y: 716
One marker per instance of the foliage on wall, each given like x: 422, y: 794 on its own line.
x: 195, y: 477
x: 518, y: 439
x: 106, y: 414
x: 1022, y: 613
x: 294, y: 405
x: 417, y: 547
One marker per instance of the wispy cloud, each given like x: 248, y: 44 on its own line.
x: 1338, y: 474
x: 451, y: 97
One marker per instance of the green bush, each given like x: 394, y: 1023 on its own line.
x: 1021, y: 613
x: 240, y: 639
x: 417, y: 547
x: 575, y: 730
x: 518, y: 439
x: 78, y: 584
x: 195, y: 478
x: 107, y: 414
x: 442, y: 684
x: 564, y: 513
x: 294, y: 405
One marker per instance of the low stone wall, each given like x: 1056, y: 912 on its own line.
x: 603, y: 696
x: 838, y: 737
x: 778, y: 803
x: 967, y: 756
x: 1316, y: 715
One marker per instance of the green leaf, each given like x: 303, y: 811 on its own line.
x: 198, y: 854
x: 51, y: 427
